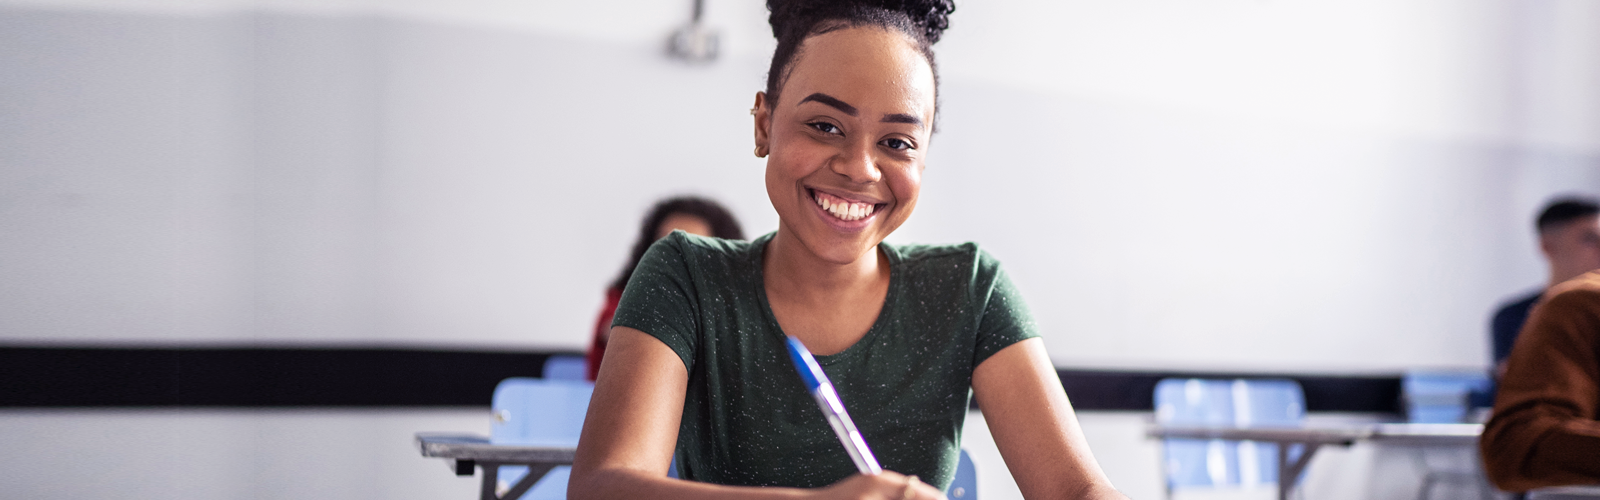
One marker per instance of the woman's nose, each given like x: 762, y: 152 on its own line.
x: 858, y: 164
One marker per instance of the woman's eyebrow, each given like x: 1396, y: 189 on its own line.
x: 902, y: 118
x: 831, y: 101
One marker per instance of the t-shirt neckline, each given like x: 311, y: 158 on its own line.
x: 879, y: 324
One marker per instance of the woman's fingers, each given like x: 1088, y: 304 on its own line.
x: 886, y: 486
x: 916, y: 489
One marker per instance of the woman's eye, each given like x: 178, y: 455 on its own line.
x: 896, y: 144
x: 825, y: 127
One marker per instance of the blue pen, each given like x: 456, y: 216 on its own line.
x: 821, y: 389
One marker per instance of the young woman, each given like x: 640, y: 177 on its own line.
x: 697, y: 362
x: 689, y: 214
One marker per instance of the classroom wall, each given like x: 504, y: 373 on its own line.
x: 1168, y: 188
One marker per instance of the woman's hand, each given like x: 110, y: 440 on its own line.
x: 885, y: 486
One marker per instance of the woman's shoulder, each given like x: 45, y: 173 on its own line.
x: 944, y: 253
x: 704, y: 255
x: 954, y: 263
x: 697, y: 246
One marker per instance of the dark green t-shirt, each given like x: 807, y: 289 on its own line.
x: 747, y: 418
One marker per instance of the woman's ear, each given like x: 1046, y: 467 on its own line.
x: 763, y: 124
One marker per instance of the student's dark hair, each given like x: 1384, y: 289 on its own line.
x: 722, y: 223
x: 793, y: 21
x: 1563, y: 210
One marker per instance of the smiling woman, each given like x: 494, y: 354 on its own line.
x: 697, y: 364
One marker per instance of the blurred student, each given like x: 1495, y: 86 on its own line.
x: 1569, y: 237
x: 1544, y: 431
x: 690, y: 214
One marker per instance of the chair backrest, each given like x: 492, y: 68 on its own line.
x: 965, y: 485
x: 1437, y: 397
x: 539, y: 411
x: 545, y: 412
x: 1225, y: 403
x: 566, y: 367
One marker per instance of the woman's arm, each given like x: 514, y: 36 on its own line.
x: 632, y: 428
x: 1033, y: 424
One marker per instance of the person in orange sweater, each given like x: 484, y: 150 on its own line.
x: 690, y: 214
x: 1545, y: 430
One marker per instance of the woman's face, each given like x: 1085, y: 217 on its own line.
x: 847, y: 140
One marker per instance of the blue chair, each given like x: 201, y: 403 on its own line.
x: 544, y: 412
x: 965, y: 485
x: 1441, y: 397
x: 1445, y: 397
x: 1203, y: 463
x: 564, y: 367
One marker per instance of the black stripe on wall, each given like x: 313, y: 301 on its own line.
x: 1119, y: 390
x: 41, y: 377
x: 256, y: 377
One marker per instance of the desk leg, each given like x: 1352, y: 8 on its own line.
x: 491, y: 476
x: 535, y: 473
x: 1289, y: 472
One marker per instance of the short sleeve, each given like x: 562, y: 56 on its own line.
x: 660, y: 298
x: 1005, y: 319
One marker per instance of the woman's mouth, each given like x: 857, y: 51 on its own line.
x: 843, y: 209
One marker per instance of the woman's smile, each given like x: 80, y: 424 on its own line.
x: 845, y: 211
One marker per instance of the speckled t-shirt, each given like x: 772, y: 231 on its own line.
x: 747, y: 418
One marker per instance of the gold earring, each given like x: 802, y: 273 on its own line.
x: 758, y: 153
x: 752, y: 111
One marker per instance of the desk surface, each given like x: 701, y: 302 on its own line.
x: 1427, y: 434
x: 1411, y: 434
x: 1566, y: 493
x: 476, y: 447
x: 1328, y: 435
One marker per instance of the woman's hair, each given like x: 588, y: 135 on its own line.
x: 793, y: 21
x: 722, y: 223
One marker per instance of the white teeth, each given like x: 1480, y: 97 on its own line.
x: 845, y: 210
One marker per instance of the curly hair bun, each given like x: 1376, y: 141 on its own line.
x: 930, y: 16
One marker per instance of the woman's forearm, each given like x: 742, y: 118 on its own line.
x: 1102, y: 491
x: 608, y: 484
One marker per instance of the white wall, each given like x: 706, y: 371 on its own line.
x: 229, y: 454
x: 1237, y: 185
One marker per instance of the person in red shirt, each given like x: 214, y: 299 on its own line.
x: 687, y: 213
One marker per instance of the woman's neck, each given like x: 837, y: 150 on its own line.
x: 797, y: 271
x: 828, y: 305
